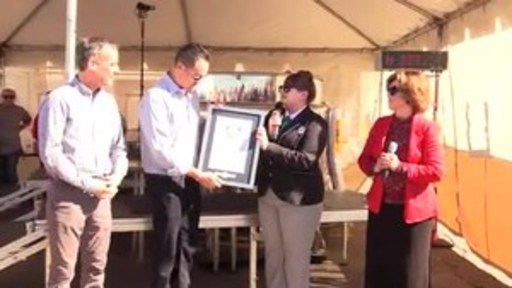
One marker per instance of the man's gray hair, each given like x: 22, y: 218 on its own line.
x: 89, y: 47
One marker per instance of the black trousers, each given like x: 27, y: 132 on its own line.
x: 9, y: 168
x: 397, y: 253
x: 176, y: 213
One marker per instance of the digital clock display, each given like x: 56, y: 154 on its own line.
x: 423, y: 60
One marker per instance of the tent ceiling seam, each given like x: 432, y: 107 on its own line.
x: 418, y: 9
x: 24, y: 22
x: 168, y: 48
x: 340, y: 18
x: 186, y: 20
x: 438, y: 23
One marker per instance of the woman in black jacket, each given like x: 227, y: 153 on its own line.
x: 290, y: 184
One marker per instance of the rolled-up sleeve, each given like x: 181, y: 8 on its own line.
x: 156, y: 128
x: 51, y: 126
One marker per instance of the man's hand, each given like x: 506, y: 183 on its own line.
x: 262, y: 137
x: 209, y: 180
x: 102, y: 189
x: 114, y: 180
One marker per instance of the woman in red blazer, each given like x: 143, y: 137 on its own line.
x: 404, y: 156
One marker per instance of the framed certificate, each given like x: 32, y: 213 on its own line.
x: 229, y: 145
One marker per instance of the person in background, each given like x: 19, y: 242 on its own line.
x: 13, y: 119
x: 404, y: 156
x: 290, y: 184
x: 83, y: 150
x: 169, y: 123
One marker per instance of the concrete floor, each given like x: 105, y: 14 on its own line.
x: 124, y: 270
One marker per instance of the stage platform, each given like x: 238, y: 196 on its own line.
x: 232, y: 210
x: 221, y: 210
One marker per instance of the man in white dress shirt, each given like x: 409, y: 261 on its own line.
x: 169, y: 122
x: 82, y: 147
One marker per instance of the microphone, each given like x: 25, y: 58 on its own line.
x: 392, y: 148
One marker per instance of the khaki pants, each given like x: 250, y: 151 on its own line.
x: 288, y: 232
x: 77, y: 222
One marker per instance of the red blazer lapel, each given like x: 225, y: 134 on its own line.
x: 414, y: 154
x: 382, y: 133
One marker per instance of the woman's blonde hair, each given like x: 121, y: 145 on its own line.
x: 414, y: 87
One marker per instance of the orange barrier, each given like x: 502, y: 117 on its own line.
x: 446, y: 194
x: 475, y: 202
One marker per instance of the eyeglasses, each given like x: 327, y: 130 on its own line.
x: 284, y: 89
x: 392, y: 90
x: 9, y: 97
x: 191, y: 73
x: 196, y: 77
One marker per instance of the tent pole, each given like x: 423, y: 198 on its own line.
x: 70, y: 38
x: 142, y: 13
x: 142, y: 46
x: 437, y: 75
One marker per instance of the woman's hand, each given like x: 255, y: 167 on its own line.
x: 274, y: 124
x: 387, y: 161
x: 380, y: 164
x: 394, y: 162
x: 262, y: 137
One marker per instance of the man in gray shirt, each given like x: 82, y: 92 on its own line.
x: 82, y: 147
x: 13, y: 119
x: 169, y: 122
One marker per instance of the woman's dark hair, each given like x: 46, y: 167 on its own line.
x: 301, y: 80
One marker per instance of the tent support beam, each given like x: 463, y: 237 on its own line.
x: 438, y: 23
x: 324, y: 50
x: 186, y: 21
x: 24, y: 22
x: 342, y: 19
x: 418, y: 9
x: 71, y: 17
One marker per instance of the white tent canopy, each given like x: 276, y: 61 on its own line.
x: 265, y: 25
x: 335, y: 39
